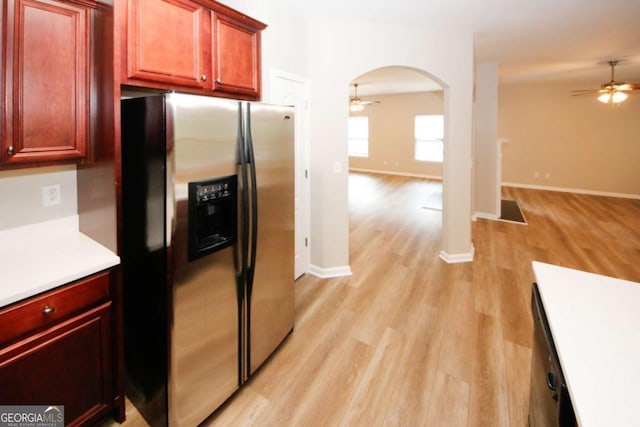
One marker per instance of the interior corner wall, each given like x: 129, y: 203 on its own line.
x: 569, y: 142
x: 391, y: 133
x: 486, y: 156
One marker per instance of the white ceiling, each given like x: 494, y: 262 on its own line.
x: 531, y: 40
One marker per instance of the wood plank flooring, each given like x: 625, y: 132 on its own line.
x: 409, y: 340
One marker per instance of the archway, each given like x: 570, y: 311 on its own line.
x: 396, y: 127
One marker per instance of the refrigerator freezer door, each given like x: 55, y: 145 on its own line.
x: 204, y: 331
x: 272, y: 304
x: 205, y: 132
x: 204, y: 334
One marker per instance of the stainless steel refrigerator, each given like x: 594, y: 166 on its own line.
x: 207, y: 248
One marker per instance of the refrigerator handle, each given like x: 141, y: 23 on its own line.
x: 241, y: 270
x: 251, y: 166
x: 254, y: 203
x: 244, y: 185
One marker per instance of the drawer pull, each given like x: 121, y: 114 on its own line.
x: 48, y: 310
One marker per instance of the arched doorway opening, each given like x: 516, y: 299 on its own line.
x: 404, y: 110
x: 396, y: 152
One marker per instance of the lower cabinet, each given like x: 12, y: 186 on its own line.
x: 69, y: 362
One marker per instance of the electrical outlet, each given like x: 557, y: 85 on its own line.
x: 51, y: 195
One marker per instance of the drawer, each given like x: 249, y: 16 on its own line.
x: 48, y: 308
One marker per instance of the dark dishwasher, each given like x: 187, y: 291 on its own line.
x: 549, y: 401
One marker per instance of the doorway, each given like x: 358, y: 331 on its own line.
x: 289, y: 89
x: 396, y: 128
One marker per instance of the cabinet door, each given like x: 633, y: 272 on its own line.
x: 236, y: 56
x: 68, y: 364
x: 45, y: 80
x: 167, y: 43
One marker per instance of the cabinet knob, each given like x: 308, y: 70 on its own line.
x: 10, y: 150
x: 203, y: 77
x: 48, y: 310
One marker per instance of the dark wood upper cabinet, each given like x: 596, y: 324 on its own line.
x: 198, y: 46
x: 167, y: 42
x: 46, y: 84
x: 236, y: 55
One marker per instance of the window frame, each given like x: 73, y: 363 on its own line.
x: 428, y: 141
x: 363, y: 140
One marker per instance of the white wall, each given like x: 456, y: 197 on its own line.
x: 340, y: 51
x: 486, y: 182
x: 21, y: 195
x: 569, y: 142
x: 392, y: 133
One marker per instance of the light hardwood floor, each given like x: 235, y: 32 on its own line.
x: 409, y: 340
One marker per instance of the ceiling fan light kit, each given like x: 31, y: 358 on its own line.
x: 612, y: 92
x: 615, y: 97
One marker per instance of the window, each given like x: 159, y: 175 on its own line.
x: 429, y: 135
x: 359, y: 136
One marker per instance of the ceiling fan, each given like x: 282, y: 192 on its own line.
x: 357, y: 104
x: 611, y: 92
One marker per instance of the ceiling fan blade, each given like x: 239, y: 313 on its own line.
x: 581, y: 93
x: 586, y: 91
x: 590, y: 90
x: 369, y: 102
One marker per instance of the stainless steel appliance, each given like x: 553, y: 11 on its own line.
x: 207, y: 248
x: 549, y: 400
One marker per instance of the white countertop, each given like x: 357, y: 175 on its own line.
x: 595, y: 323
x: 39, y: 257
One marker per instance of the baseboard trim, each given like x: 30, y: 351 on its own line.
x: 458, y: 258
x: 384, y: 172
x: 328, y: 273
x: 483, y: 215
x: 572, y: 190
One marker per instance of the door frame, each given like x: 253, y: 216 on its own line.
x: 302, y: 149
